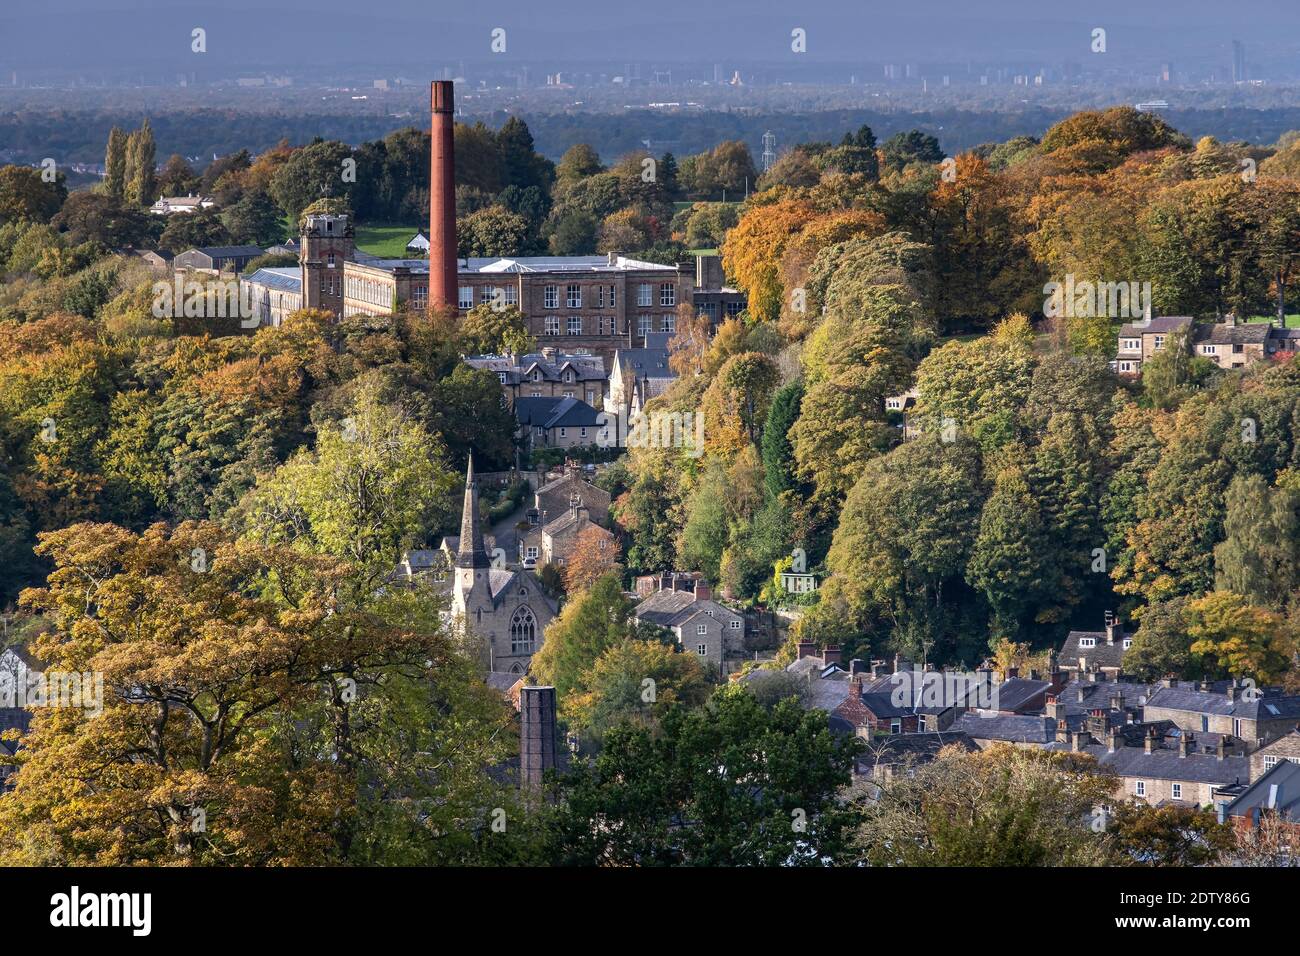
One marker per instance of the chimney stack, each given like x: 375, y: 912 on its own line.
x: 442, y: 197
x: 807, y: 649
x: 831, y: 654
x: 537, y: 746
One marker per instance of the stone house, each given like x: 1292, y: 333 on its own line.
x: 1270, y: 755
x: 558, y: 496
x: 549, y: 373
x: 557, y: 422
x: 1102, y: 650
x: 554, y: 542
x: 1256, y: 716
x: 1228, y: 344
x: 700, y: 624
x: 1163, y: 770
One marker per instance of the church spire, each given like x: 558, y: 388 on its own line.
x: 470, y: 552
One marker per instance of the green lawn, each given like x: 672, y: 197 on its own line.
x: 385, y: 241
x: 1292, y: 319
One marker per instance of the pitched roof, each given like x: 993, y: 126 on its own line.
x: 282, y: 280
x: 1101, y: 654
x: 1013, y: 728
x: 229, y: 252
x: 555, y: 412
x: 1252, y: 333
x: 1165, y: 763
x: 1268, y: 705
x: 1277, y: 790
x: 572, y: 413
x: 914, y: 748
x: 1160, y: 324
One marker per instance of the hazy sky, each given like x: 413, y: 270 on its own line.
x: 295, y: 33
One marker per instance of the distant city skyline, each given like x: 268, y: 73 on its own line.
x: 321, y: 35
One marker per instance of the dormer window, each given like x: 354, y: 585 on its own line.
x: 1087, y: 642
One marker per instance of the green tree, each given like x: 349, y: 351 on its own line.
x: 754, y: 787
x: 141, y: 157
x: 590, y: 623
x: 115, y: 164
x: 635, y: 682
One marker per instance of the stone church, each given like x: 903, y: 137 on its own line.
x: 507, y: 608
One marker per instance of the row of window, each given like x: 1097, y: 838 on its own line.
x: 605, y: 325
x: 605, y: 296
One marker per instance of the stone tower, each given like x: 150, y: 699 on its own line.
x: 472, y: 564
x: 327, y: 243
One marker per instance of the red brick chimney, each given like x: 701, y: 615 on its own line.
x: 831, y: 654
x: 442, y: 198
x: 702, y: 591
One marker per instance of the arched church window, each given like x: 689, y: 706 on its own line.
x: 523, y: 631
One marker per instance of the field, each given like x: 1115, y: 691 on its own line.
x: 385, y: 240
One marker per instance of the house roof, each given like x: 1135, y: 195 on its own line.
x: 1165, y: 763
x: 1016, y: 692
x: 229, y: 252
x: 1012, y: 728
x: 519, y: 369
x: 917, y: 748
x: 649, y: 363
x: 585, y: 487
x: 572, y: 413
x: 675, y: 608
x: 1159, y: 325
x: 1101, y: 654
x: 1278, y: 790
x: 1097, y: 695
x: 1269, y: 705
x: 281, y: 279
x: 1253, y: 333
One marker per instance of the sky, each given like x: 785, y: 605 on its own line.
x: 299, y: 33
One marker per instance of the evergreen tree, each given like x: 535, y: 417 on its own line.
x: 115, y: 164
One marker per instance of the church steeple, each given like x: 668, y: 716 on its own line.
x: 470, y: 552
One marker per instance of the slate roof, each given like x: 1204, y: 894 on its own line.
x: 901, y: 748
x: 229, y: 252
x: 1012, y: 728
x: 586, y: 368
x: 1099, y: 655
x: 1270, y: 705
x: 1161, y: 324
x: 1098, y: 694
x: 282, y: 280
x: 651, y: 363
x: 1164, y: 763
x: 1015, y: 692
x: 675, y: 608
x: 1278, y: 790
x: 553, y: 412
x: 1253, y: 333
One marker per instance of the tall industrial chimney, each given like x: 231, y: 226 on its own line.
x: 442, y: 198
x: 537, y: 735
